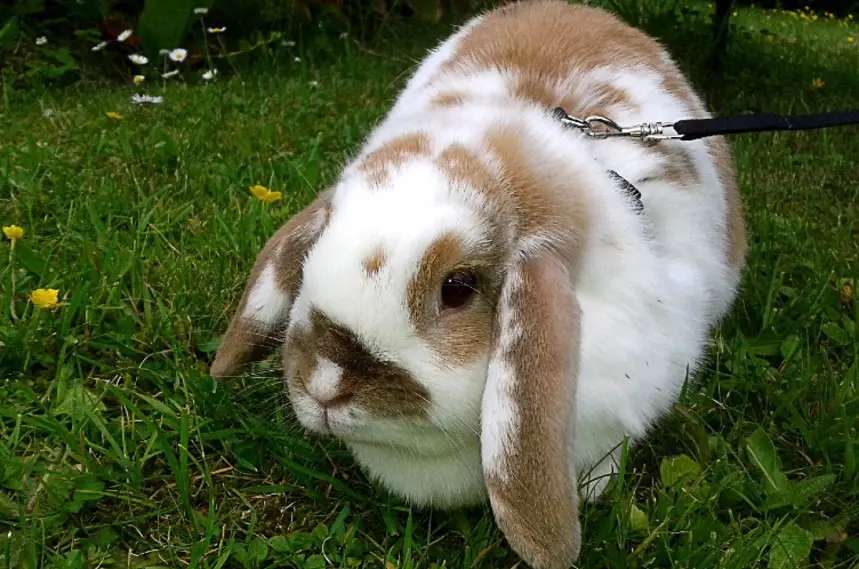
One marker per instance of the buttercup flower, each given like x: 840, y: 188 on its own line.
x: 13, y: 232
x: 846, y: 293
x: 170, y: 74
x: 850, y: 39
x: 818, y: 83
x: 146, y: 99
x: 201, y: 11
x: 178, y: 55
x: 264, y: 195
x: 216, y: 30
x: 44, y: 297
x: 41, y: 40
x: 113, y: 115
x: 124, y: 35
x: 138, y: 59
x: 99, y: 46
x: 209, y: 75
x: 138, y: 79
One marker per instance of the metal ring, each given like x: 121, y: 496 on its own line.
x: 612, y: 127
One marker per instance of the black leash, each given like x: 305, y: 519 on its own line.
x: 693, y: 129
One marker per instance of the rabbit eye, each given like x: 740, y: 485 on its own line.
x: 457, y: 289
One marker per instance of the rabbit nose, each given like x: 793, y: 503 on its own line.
x: 333, y: 401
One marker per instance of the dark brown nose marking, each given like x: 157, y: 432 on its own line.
x: 382, y: 387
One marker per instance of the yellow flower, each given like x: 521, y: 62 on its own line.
x: 113, y: 115
x: 264, y: 195
x: 138, y: 79
x: 44, y: 297
x: 850, y: 39
x: 818, y: 83
x: 846, y: 293
x: 13, y: 232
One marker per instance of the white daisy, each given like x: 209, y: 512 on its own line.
x: 289, y: 43
x: 41, y: 40
x: 138, y: 79
x: 170, y: 74
x: 146, y: 99
x: 124, y: 35
x: 209, y: 75
x: 297, y: 59
x: 178, y: 55
x: 138, y: 59
x: 314, y: 84
x: 201, y: 11
x: 99, y: 46
x: 216, y: 30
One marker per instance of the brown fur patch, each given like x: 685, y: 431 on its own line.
x: 568, y: 40
x: 382, y: 387
x: 536, y: 503
x: 392, y: 154
x: 437, y: 261
x: 374, y: 263
x: 245, y: 340
x: 735, y: 223
x: 458, y: 337
x: 544, y: 201
x: 532, y: 87
x: 679, y: 166
x: 463, y: 166
x: 449, y: 99
x: 565, y: 38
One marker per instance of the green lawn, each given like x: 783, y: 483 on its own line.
x: 117, y: 449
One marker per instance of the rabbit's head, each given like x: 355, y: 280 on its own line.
x: 425, y: 304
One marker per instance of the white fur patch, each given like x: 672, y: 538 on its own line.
x: 266, y: 302
x: 325, y: 381
x: 500, y: 411
x: 499, y: 419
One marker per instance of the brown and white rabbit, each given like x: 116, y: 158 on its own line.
x: 476, y: 307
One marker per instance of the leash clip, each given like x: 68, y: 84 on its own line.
x: 601, y: 127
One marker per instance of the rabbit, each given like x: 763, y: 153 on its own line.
x: 476, y: 307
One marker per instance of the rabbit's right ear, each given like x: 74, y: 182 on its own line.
x: 261, y: 319
x: 528, y: 412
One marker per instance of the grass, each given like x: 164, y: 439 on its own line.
x: 117, y: 449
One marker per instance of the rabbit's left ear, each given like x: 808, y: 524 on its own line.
x: 260, y: 321
x: 528, y: 413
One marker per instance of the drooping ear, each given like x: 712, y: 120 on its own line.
x: 261, y: 317
x: 528, y: 413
